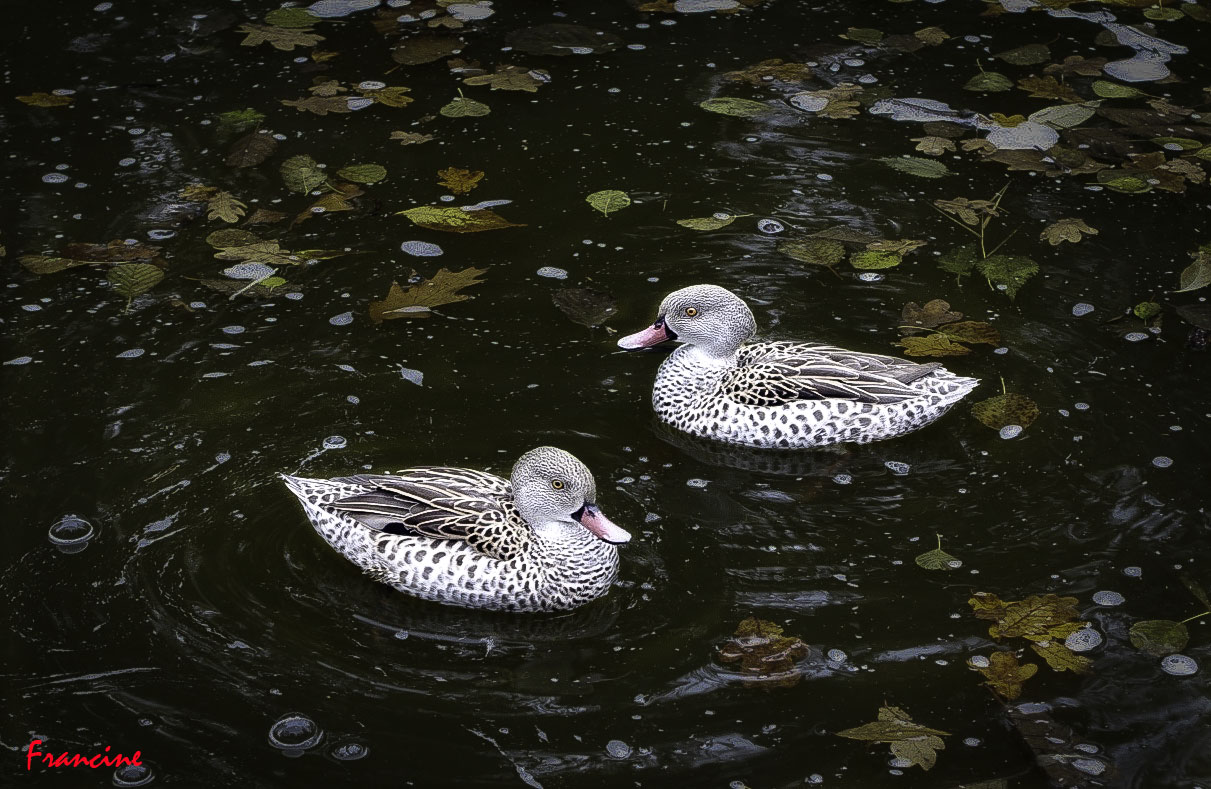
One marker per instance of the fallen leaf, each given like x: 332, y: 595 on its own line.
x: 236, y: 122
x: 608, y: 200
x: 363, y: 173
x: 462, y: 107
x: 419, y: 299
x: 1006, y: 409
x: 1113, y: 90
x: 226, y: 207
x: 267, y: 252
x: 760, y: 650
x: 282, y: 38
x: 49, y: 264
x: 46, y: 100
x: 864, y: 35
x: 968, y: 211
x: 874, y: 260
x: 198, y: 193
x: 1005, y: 675
x: 264, y: 216
x: 816, y: 251
x: 510, y: 78
x: 562, y: 39
x: 1049, y: 88
x: 302, y: 173
x: 898, y: 246
x: 1197, y: 274
x: 411, y: 138
x: 426, y: 49
x: 915, y: 165
x: 972, y: 331
x: 707, y: 222
x: 730, y: 105
x: 989, y: 82
x: 1075, y: 64
x: 390, y: 96
x: 585, y: 306
x: 134, y: 279
x: 932, y: 345
x: 1146, y: 310
x: 251, y: 149
x: 932, y: 36
x: 1035, y: 615
x: 1061, y: 658
x: 909, y: 740
x: 932, y: 315
x: 1007, y: 272
x: 1028, y: 55
x: 934, y: 146
x: 459, y: 181
x: 774, y: 70
x: 291, y: 17
x: 455, y: 220
x: 937, y: 559
x: 1067, y: 229
x: 320, y: 105
x: 1159, y: 637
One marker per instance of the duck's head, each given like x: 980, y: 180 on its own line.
x: 706, y: 316
x: 552, y: 486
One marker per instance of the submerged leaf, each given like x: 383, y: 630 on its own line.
x: 363, y: 173
x: 1007, y: 272
x: 1006, y: 409
x: 608, y: 200
x: 48, y: 264
x: 875, y: 260
x: 282, y: 38
x: 1005, y: 675
x: 915, y: 165
x: 730, y: 105
x: 774, y: 70
x: 411, y: 138
x: 760, y: 650
x: 224, y: 206
x: 707, y: 222
x: 989, y: 82
x: 1049, y: 88
x: 455, y: 220
x: 1159, y: 637
x: 251, y: 149
x: 1197, y: 274
x: 302, y: 173
x: 426, y: 49
x: 585, y: 306
x: 972, y: 331
x: 1028, y: 55
x: 816, y: 251
x: 1067, y: 229
x: 46, y: 100
x: 932, y: 315
x: 932, y: 345
x: 459, y: 181
x: 291, y: 17
x: 418, y: 300
x: 134, y: 279
x: 511, y: 78
x: 320, y: 105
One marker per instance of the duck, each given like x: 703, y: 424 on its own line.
x: 536, y: 541
x: 782, y: 394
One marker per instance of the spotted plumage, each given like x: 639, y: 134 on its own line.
x: 782, y: 395
x: 534, y: 542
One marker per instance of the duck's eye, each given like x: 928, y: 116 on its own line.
x: 690, y: 312
x: 557, y: 484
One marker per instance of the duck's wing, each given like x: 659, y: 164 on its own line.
x: 439, y: 503
x: 778, y: 373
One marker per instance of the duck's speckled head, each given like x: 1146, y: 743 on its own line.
x: 706, y: 316
x: 552, y: 486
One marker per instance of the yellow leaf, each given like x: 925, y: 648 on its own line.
x: 456, y: 220
x: 224, y: 206
x: 46, y: 100
x: 418, y: 300
x: 459, y: 181
x: 283, y: 38
x: 1067, y: 229
x: 1005, y: 675
x: 1061, y: 658
x: 511, y: 78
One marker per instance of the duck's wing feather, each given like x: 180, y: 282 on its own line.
x: 778, y: 373
x: 439, y: 503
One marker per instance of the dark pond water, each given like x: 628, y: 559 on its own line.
x: 204, y: 609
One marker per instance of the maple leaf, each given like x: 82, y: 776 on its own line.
x: 419, y: 300
x: 1075, y: 64
x: 774, y: 70
x: 411, y: 138
x: 933, y: 146
x: 283, y: 38
x: 1067, y: 229
x: 320, y: 105
x: 1049, y: 88
x: 1005, y: 675
x: 459, y: 181
x: 909, y: 740
x: 455, y: 220
x: 198, y: 193
x: 932, y: 315
x: 509, y: 78
x: 226, y: 207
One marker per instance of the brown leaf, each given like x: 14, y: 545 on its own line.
x: 1005, y: 675
x: 226, y: 207
x: 46, y: 100
x: 251, y: 149
x: 263, y: 216
x: 1006, y: 409
x: 411, y: 138
x: 418, y: 300
x: 509, y: 78
x: 932, y: 315
x: 1049, y: 88
x: 283, y: 38
x: 934, y: 146
x: 774, y: 70
x: 1061, y: 658
x: 426, y: 49
x: 932, y: 345
x: 320, y: 105
x: 459, y: 181
x: 972, y: 331
x: 1067, y: 229
x: 1075, y: 64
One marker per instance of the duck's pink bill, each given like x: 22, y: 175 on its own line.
x: 602, y: 527
x: 652, y: 335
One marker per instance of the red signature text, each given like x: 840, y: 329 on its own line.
x: 78, y: 759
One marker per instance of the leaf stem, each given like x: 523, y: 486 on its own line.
x: 1196, y: 616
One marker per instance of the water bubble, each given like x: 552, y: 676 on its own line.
x: 133, y: 353
x: 421, y: 249
x: 102, y: 7
x: 1001, y: 351
x: 197, y: 305
x: 815, y: 778
x: 371, y: 84
x: 1108, y: 598
x: 808, y: 103
x: 552, y: 272
x: 1133, y: 572
x: 1135, y: 336
x: 295, y: 733
x: 900, y: 762
x: 71, y: 533
x: 1082, y: 308
x: 127, y: 162
x: 1011, y: 431
x: 294, y: 296
x: 133, y: 774
x: 696, y: 483
x: 971, y: 742
x: 54, y: 178
x: 1179, y: 665
x: 412, y: 376
x: 897, y: 468
x: 349, y: 751
x: 843, y: 479
x: 1085, y: 747
x: 1089, y: 766
x: 871, y: 276
x: 353, y: 399
x: 770, y: 226
x: 1160, y: 461
x: 235, y: 329
x: 1081, y: 406
x: 617, y: 749
x: 979, y: 661
x: 344, y: 319
x: 335, y: 442
x: 836, y: 656
x: 222, y: 457
x: 160, y: 235
x: 1083, y: 640
x: 358, y: 103
x: 20, y: 360
x: 251, y: 271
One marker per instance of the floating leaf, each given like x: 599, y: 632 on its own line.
x: 419, y: 299
x: 426, y: 49
x: 898, y: 246
x: 511, y: 78
x: 1159, y: 637
x: 875, y: 260
x: 730, y: 105
x: 1061, y: 658
x: 932, y: 315
x: 224, y: 206
x: 968, y: 211
x: 932, y: 345
x: 759, y: 649
x: 363, y: 173
x: 465, y: 108
x: 459, y: 181
x: 1163, y: 14
x: 291, y: 17
x: 707, y: 222
x: 1113, y: 90
x: 456, y: 220
x: 1197, y: 274
x: 1067, y: 229
x: 251, y: 149
x: 989, y: 82
x: 1048, y: 88
x: 1007, y: 272
x: 937, y: 559
x: 1128, y: 184
x: 320, y: 105
x: 1065, y: 116
x: 972, y: 331
x: 134, y: 279
x: 391, y: 96
x: 1006, y: 409
x: 864, y: 35
x: 909, y: 740
x: 236, y: 122
x: 1075, y: 64
x: 46, y: 100
x: 915, y: 165
x: 585, y: 306
x: 411, y: 138
x: 934, y: 146
x: 816, y: 251
x: 608, y: 200
x: 267, y: 252
x: 1005, y: 675
x: 1146, y: 310
x: 47, y: 264
x: 302, y: 173
x: 1026, y: 56
x: 1034, y: 616
x: 282, y: 38
x: 231, y: 237
x: 768, y: 71
x: 931, y: 35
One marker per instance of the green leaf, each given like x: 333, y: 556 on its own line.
x: 864, y: 35
x: 237, y: 122
x: 462, y: 107
x: 1037, y: 617
x: 707, y: 222
x: 1065, y: 116
x: 1010, y: 271
x: 937, y: 559
x: 134, y: 279
x: 912, y: 741
x: 875, y: 260
x: 730, y: 105
x: 1197, y: 274
x: 960, y: 260
x: 452, y: 219
x: 932, y: 345
x: 1184, y: 143
x: 41, y: 99
x: 1005, y: 675
x: 608, y: 200
x: 231, y: 237
x: 989, y: 82
x: 1163, y: 14
x: 1159, y: 637
x: 1006, y: 409
x: 915, y: 165
x: 816, y: 251
x: 1113, y: 90
x: 363, y: 173
x: 1028, y: 55
x: 1128, y: 184
x: 1066, y: 229
x: 972, y: 331
x: 291, y: 17
x: 47, y: 264
x: 226, y: 207
x: 1146, y: 310
x: 282, y: 38
x: 302, y: 173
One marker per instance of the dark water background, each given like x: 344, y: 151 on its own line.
x: 205, y: 608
